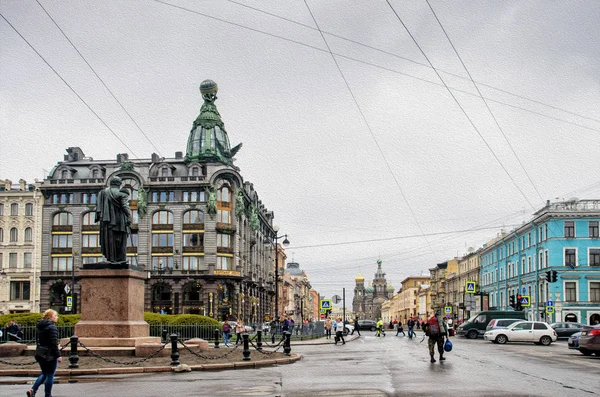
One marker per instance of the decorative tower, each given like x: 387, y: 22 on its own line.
x: 208, y: 140
x: 379, y: 282
x: 358, y: 302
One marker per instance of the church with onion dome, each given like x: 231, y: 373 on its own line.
x: 368, y: 300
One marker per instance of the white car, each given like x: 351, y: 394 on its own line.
x: 536, y: 332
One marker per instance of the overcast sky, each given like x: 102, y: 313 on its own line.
x: 349, y: 135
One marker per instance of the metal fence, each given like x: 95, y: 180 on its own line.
x: 28, y: 334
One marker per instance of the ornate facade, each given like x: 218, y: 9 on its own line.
x: 200, y: 231
x: 367, y: 302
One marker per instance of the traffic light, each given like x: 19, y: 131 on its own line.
x: 554, y: 276
x: 512, y: 301
x: 518, y: 306
x: 549, y: 276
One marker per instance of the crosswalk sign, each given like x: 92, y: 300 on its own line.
x: 525, y: 301
x: 549, y: 309
x: 470, y: 287
x: 326, y: 304
x: 448, y: 309
x: 69, y: 301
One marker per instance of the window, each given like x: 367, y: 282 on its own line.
x: 14, y: 209
x: 223, y: 240
x: 224, y: 205
x: 91, y: 241
x: 19, y: 290
x: 64, y: 174
x: 522, y: 326
x: 12, y: 260
x: 529, y: 240
x: 28, y: 235
x: 594, y: 257
x: 62, y: 219
x: 162, y: 262
x: 62, y: 198
x: 163, y: 197
x: 570, y: 256
x: 162, y: 240
x: 132, y: 241
x: 224, y: 263
x: 164, y: 171
x: 594, y: 292
x: 27, y: 260
x: 195, y: 171
x: 88, y: 198
x: 195, y: 240
x: 62, y: 241
x: 194, y: 196
x: 569, y: 229
x: 29, y: 209
x: 89, y: 219
x: 162, y: 218
x: 1, y: 235
x: 193, y: 263
x: 1, y: 209
x: 14, y: 235
x: 571, y: 292
x: 545, y: 232
x: 95, y: 173
x: 62, y: 264
x: 91, y: 259
x: 193, y: 216
x: 539, y: 326
x: 593, y: 228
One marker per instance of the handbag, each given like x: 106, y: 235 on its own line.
x: 448, y: 345
x: 42, y: 353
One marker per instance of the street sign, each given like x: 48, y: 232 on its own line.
x: 550, y: 303
x: 525, y: 301
x: 470, y: 287
x: 448, y: 309
x: 67, y: 288
x: 69, y: 301
x: 336, y: 299
x: 549, y: 309
x: 326, y: 304
x: 322, y: 315
x: 524, y: 289
x: 322, y: 311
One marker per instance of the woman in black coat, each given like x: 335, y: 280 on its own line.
x: 47, y: 335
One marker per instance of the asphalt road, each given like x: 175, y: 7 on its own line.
x: 371, y: 366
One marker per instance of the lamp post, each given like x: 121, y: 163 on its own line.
x: 285, y: 243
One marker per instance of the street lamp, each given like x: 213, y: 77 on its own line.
x: 285, y: 243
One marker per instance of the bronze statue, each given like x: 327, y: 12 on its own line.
x: 114, y: 216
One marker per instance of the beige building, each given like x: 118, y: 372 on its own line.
x: 20, y: 239
x: 408, y: 297
x: 424, y: 309
x: 439, y: 290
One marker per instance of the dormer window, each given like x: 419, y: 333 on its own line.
x: 195, y: 171
x: 64, y: 174
x: 95, y: 173
x: 164, y: 171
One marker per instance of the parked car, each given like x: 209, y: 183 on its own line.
x: 564, y: 330
x: 501, y: 323
x: 367, y: 325
x: 573, y: 341
x: 589, y: 341
x: 477, y: 324
x: 523, y: 331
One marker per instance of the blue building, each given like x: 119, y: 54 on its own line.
x: 551, y: 261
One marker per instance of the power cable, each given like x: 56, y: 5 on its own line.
x: 71, y: 88
x: 369, y: 127
x: 460, y: 106
x: 99, y: 78
x: 411, y: 60
x: 485, y: 102
x: 386, y: 68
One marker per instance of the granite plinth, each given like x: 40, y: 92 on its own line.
x: 112, y: 304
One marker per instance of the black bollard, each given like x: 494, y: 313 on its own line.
x: 74, y: 358
x: 164, y: 335
x: 287, y: 345
x: 174, y: 351
x: 216, y: 338
x: 259, y: 340
x: 246, y: 351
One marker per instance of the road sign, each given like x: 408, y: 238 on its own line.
x: 336, y: 299
x: 524, y: 289
x: 69, y: 301
x: 550, y: 303
x: 470, y: 287
x: 549, y: 309
x: 525, y: 301
x: 67, y: 288
x: 326, y: 304
x: 322, y: 315
x: 448, y: 309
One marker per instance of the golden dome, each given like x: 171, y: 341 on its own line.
x: 359, y: 277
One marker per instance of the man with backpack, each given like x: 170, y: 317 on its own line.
x: 437, y: 331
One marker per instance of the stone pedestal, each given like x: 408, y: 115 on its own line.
x: 112, y: 303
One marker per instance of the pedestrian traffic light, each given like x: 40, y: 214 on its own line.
x: 549, y: 276
x: 554, y: 276
x: 512, y: 301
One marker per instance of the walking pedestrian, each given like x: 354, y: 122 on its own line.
x: 356, y: 327
x: 328, y: 326
x: 400, y: 329
x: 339, y: 331
x: 239, y: 330
x: 411, y: 328
x: 47, y: 352
x: 437, y: 331
x: 226, y: 333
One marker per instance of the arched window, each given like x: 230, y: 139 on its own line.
x: 62, y: 219
x: 193, y: 216
x: 89, y: 219
x: 64, y: 174
x: 95, y: 173
x: 164, y: 171
x: 28, y: 209
x: 162, y: 218
x: 195, y: 171
x: 14, y: 209
x: 28, y: 235
x: 14, y: 235
x: 224, y: 204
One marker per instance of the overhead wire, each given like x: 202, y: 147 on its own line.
x: 99, y: 78
x: 364, y: 118
x: 461, y: 107
x: 70, y: 87
x: 485, y: 102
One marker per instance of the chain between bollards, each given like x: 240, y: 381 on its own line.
x: 246, y: 351
x: 174, y: 351
x: 287, y: 346
x: 74, y: 357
